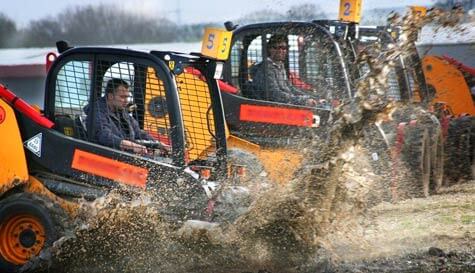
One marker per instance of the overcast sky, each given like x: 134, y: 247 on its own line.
x: 192, y: 11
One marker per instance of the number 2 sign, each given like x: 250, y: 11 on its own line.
x: 350, y: 10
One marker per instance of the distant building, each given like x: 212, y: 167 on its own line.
x: 456, y: 42
x: 23, y: 70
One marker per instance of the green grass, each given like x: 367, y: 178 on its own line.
x: 468, y: 219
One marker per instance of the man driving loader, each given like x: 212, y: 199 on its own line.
x: 271, y: 73
x: 115, y: 127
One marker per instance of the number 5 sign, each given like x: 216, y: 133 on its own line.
x: 350, y: 10
x: 216, y: 43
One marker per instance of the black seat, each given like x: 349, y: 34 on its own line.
x: 64, y: 124
x: 251, y: 91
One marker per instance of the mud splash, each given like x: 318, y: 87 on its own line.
x: 285, y: 228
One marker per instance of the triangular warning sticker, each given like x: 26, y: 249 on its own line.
x: 34, y: 144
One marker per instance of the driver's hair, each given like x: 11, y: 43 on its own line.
x: 277, y: 39
x: 113, y: 83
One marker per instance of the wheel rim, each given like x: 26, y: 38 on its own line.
x: 21, y: 237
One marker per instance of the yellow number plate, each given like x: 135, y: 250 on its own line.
x: 419, y: 10
x: 350, y: 10
x: 216, y: 43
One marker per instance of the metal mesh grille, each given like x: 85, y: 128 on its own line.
x: 311, y: 68
x: 72, y: 87
x: 414, y: 85
x: 156, y: 119
x: 145, y: 102
x: 197, y: 114
x: 72, y: 95
x: 393, y: 92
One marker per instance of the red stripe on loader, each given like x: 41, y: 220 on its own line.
x: 276, y: 115
x: 109, y: 168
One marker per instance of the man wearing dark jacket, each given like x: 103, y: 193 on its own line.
x: 271, y: 73
x: 114, y: 126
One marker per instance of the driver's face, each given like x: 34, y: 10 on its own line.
x: 120, y: 98
x: 278, y: 52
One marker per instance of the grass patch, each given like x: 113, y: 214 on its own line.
x: 468, y: 219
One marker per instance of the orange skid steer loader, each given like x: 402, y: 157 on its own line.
x: 50, y: 159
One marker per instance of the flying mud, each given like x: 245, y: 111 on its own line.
x: 333, y: 216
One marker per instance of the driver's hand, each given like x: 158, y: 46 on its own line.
x: 134, y: 147
x: 322, y: 101
x: 166, y: 148
x: 162, y: 151
x: 311, y: 102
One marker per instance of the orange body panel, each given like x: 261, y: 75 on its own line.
x: 109, y: 168
x: 13, y: 169
x: 280, y: 163
x: 450, y: 85
x: 37, y: 187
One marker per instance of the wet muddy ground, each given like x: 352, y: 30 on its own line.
x: 435, y: 234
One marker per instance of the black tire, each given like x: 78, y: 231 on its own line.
x: 437, y: 162
x: 459, y: 151
x: 416, y: 155
x: 472, y: 146
x: 29, y: 214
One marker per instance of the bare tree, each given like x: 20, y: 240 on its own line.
x: 43, y: 32
x: 7, y: 30
x: 265, y: 15
x: 448, y: 4
x: 305, y: 12
x: 103, y: 24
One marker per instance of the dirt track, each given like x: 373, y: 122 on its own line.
x: 435, y: 234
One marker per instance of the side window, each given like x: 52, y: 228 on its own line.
x: 300, y: 64
x: 254, y: 52
x: 72, y: 90
x: 145, y: 102
x: 198, y: 116
x: 320, y: 70
x: 155, y: 110
x: 245, y: 55
x: 72, y: 87
x: 374, y: 46
x: 294, y: 41
x: 129, y: 103
x: 236, y: 55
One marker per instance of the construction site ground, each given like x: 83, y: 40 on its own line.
x: 435, y: 234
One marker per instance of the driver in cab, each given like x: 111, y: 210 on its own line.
x: 114, y: 126
x: 271, y: 73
